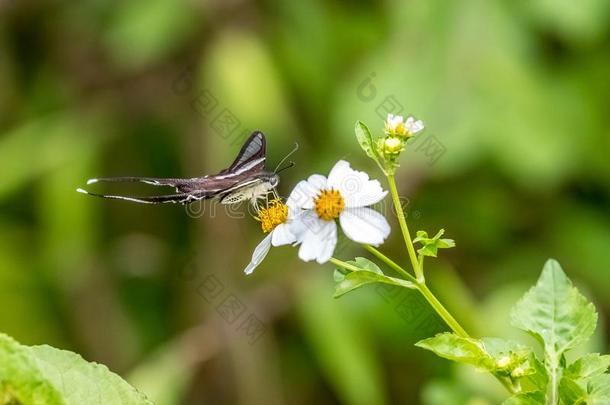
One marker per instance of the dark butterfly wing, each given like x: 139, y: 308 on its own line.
x: 250, y: 160
x: 182, y: 198
x: 155, y: 181
x: 181, y: 185
x: 251, y: 156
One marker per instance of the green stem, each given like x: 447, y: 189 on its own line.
x: 552, y: 399
x: 390, y: 263
x: 507, y: 384
x: 441, y: 310
x: 343, y: 264
x: 425, y: 291
x: 418, y: 268
x: 404, y: 228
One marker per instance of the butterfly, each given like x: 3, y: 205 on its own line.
x: 245, y: 179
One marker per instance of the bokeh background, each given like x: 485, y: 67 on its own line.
x: 513, y: 164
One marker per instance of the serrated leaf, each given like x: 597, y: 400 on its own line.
x: 598, y: 390
x: 588, y: 366
x: 49, y: 376
x: 528, y: 398
x: 555, y: 312
x: 430, y: 246
x: 461, y: 349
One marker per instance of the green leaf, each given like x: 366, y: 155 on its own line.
x: 366, y: 265
x: 588, y: 366
x: 48, y: 376
x: 540, y: 378
x: 555, y: 312
x: 503, y: 358
x: 339, y: 274
x: 366, y: 141
x: 497, y: 347
x: 358, y: 279
x: 368, y: 273
x: 528, y: 398
x: 431, y: 245
x: 570, y: 392
x: 360, y: 262
x: 598, y: 390
x: 463, y: 350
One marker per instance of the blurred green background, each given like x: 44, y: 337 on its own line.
x: 515, y: 95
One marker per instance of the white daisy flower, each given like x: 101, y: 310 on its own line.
x: 274, y: 220
x: 344, y: 195
x: 396, y: 125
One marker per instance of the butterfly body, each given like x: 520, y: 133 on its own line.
x: 245, y: 179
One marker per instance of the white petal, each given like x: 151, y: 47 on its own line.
x: 282, y: 235
x: 318, y: 241
x: 364, y: 225
x: 337, y: 173
x: 299, y: 224
x: 302, y: 196
x: 414, y: 126
x: 355, y: 187
x: 259, y: 254
x: 317, y: 181
x: 394, y: 120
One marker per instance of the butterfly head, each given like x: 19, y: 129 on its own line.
x: 271, y: 180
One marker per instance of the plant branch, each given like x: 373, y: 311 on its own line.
x: 441, y: 310
x: 404, y: 228
x: 390, y: 263
x: 343, y: 264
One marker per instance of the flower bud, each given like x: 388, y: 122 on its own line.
x: 392, y: 146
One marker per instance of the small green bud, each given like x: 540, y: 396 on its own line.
x: 392, y: 146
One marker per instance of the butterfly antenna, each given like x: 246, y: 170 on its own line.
x: 288, y: 166
x: 296, y: 147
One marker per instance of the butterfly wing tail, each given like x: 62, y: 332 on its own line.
x: 155, y: 181
x: 182, y: 198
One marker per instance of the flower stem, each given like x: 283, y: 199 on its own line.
x: 425, y: 291
x: 441, y: 310
x: 418, y: 268
x: 343, y: 264
x: 390, y: 263
x: 404, y: 228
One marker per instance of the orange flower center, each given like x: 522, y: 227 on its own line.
x: 329, y: 204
